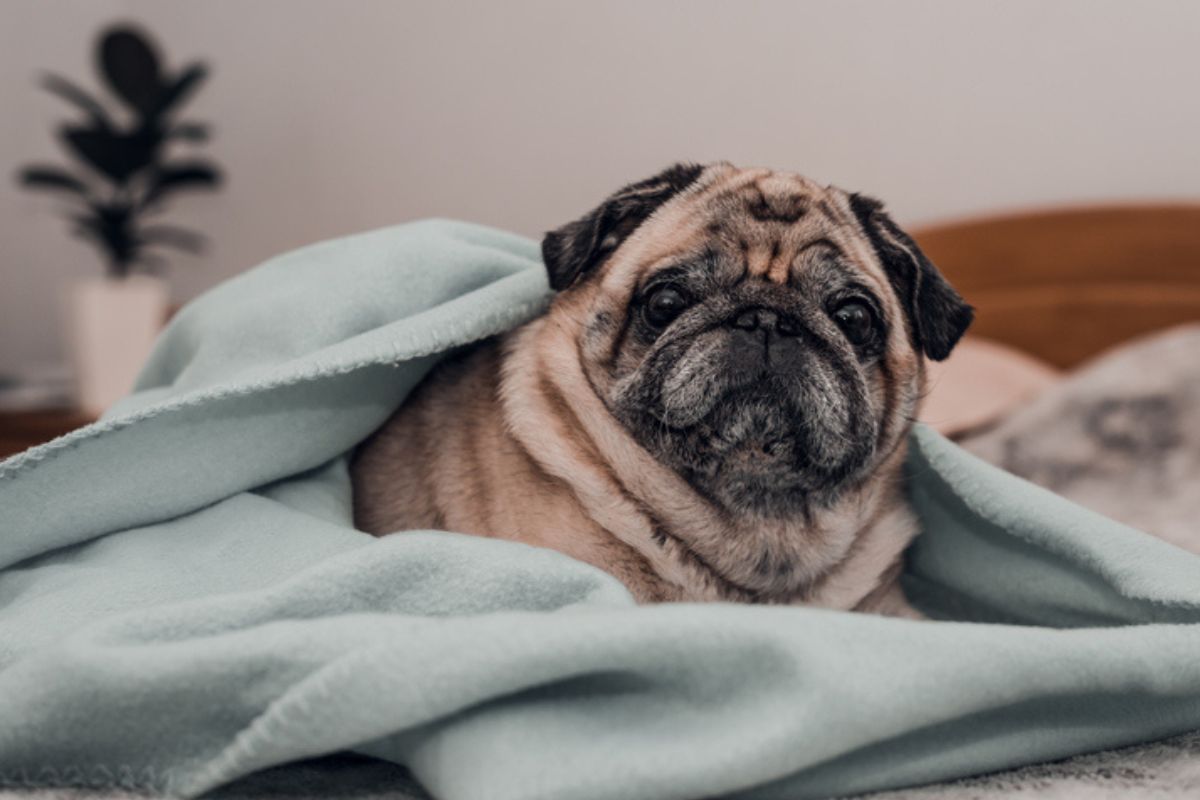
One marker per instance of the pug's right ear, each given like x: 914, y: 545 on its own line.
x: 577, y: 248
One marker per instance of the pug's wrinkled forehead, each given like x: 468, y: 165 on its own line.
x: 769, y: 222
x: 767, y: 226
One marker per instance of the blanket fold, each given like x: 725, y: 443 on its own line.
x: 184, y: 600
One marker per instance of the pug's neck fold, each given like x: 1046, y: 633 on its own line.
x: 682, y: 545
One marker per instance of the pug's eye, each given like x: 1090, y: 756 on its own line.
x: 856, y: 321
x: 664, y: 305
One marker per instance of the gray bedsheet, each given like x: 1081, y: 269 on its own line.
x: 1121, y: 436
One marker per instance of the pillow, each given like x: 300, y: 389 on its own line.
x: 980, y: 383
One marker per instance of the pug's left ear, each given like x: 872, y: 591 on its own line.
x: 579, y: 247
x: 938, y: 314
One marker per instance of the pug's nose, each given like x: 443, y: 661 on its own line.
x: 765, y: 319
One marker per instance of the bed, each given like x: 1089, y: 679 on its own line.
x: 1053, y: 290
x: 1083, y: 364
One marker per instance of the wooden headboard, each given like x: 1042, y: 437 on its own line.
x: 1065, y: 284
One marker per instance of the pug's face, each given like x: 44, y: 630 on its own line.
x: 758, y: 333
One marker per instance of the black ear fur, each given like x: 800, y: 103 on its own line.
x: 938, y: 314
x: 577, y: 248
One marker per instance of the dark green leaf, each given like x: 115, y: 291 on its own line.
x: 182, y: 175
x: 117, y: 155
x: 68, y: 91
x: 131, y: 67
x: 171, y: 236
x: 52, y: 178
x: 189, y: 131
x: 110, y: 227
x: 189, y: 80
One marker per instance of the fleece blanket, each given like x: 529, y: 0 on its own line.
x: 184, y: 600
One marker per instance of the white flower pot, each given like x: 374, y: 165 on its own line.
x: 112, y: 324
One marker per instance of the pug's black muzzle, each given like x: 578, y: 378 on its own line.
x: 759, y: 413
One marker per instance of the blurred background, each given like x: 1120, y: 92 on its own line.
x: 325, y: 118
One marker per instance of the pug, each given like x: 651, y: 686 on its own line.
x: 714, y: 407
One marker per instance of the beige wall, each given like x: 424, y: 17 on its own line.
x: 334, y: 117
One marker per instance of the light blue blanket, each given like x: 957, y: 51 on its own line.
x: 183, y: 599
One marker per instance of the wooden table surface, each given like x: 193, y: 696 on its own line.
x: 20, y: 430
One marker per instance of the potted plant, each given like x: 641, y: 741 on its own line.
x: 121, y: 183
